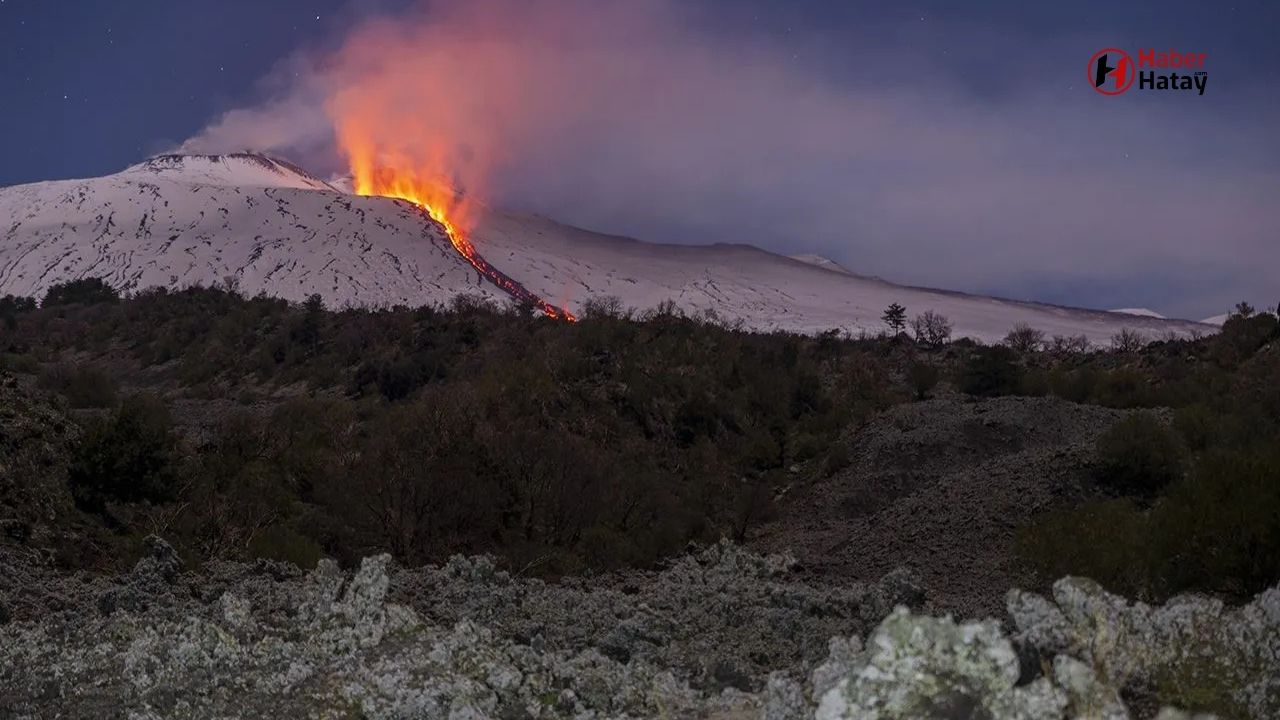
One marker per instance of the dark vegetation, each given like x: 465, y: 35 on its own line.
x: 1195, y: 501
x: 251, y: 427
x: 248, y: 428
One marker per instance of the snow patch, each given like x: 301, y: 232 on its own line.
x: 822, y: 262
x: 1139, y: 312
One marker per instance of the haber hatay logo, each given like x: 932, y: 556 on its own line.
x: 1111, y: 71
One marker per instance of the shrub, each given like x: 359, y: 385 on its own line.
x: 284, y: 544
x: 1104, y: 540
x: 1122, y: 388
x: 82, y: 385
x: 1078, y: 385
x: 1242, y: 335
x: 132, y: 456
x: 88, y: 291
x: 1035, y: 383
x: 991, y: 372
x: 1218, y: 531
x: 19, y: 363
x: 12, y: 306
x: 1139, y: 455
x: 1197, y: 425
x: 923, y: 377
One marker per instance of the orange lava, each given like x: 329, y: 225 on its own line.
x: 409, y: 131
x: 449, y: 209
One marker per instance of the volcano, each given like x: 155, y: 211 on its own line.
x: 266, y: 226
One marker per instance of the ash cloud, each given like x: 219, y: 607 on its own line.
x: 641, y: 118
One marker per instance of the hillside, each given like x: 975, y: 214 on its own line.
x: 266, y: 226
x: 181, y: 221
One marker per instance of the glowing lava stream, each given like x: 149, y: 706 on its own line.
x: 467, y: 250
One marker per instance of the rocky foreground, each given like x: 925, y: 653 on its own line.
x: 723, y: 633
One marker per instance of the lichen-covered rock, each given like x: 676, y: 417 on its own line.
x: 918, y: 667
x: 266, y: 640
x: 340, y: 649
x: 1193, y: 651
x: 923, y: 667
x: 722, y: 617
x: 1087, y: 697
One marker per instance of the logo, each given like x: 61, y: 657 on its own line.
x: 1111, y: 71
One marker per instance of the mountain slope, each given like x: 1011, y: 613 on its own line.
x: 176, y: 221
x: 765, y: 291
x: 181, y: 220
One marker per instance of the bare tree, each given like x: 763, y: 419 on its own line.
x: 1024, y: 338
x: 1128, y: 341
x: 667, y: 309
x: 1064, y: 345
x: 931, y: 329
x: 598, y: 307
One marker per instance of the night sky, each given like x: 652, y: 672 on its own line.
x: 89, y: 87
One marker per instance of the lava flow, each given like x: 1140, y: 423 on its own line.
x: 446, y: 208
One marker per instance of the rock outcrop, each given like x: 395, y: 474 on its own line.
x: 266, y: 639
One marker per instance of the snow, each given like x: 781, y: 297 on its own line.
x: 234, y: 170
x: 567, y: 265
x: 201, y: 221
x: 822, y: 262
x: 1218, y: 320
x: 178, y: 221
x: 1140, y: 312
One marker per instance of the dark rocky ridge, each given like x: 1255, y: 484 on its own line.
x: 940, y: 487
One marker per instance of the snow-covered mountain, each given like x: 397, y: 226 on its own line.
x: 178, y: 221
x: 766, y: 291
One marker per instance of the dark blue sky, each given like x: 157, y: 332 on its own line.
x: 89, y: 87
